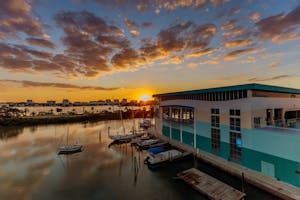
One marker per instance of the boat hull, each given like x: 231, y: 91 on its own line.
x: 70, y: 149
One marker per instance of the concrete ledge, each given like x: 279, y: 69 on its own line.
x: 269, y: 184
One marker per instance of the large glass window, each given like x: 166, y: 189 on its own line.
x: 234, y: 112
x: 235, y: 124
x: 166, y: 112
x: 215, y: 129
x: 187, y: 114
x: 236, y: 146
x: 215, y: 139
x: 175, y: 114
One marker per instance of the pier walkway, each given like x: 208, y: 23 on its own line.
x: 209, y: 186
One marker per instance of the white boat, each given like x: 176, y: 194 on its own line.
x: 146, y: 143
x: 167, y: 156
x: 121, y: 138
x: 69, y: 149
x: 145, y: 124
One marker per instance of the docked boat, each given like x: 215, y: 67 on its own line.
x: 145, y: 124
x: 69, y: 149
x: 147, y: 143
x: 123, y: 138
x: 156, y: 150
x: 164, y: 157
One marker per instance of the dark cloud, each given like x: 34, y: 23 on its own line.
x: 157, y: 5
x: 56, y: 85
x: 280, y: 28
x: 131, y: 24
x: 185, y: 37
x: 15, y: 17
x: 269, y: 79
x: 233, y: 55
x: 147, y: 25
x: 90, y: 41
x: 20, y: 58
x: 41, y: 42
x: 126, y: 58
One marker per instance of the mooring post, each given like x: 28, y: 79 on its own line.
x: 100, y: 136
x: 243, y: 183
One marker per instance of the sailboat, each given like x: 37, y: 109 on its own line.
x: 69, y: 148
x: 125, y: 137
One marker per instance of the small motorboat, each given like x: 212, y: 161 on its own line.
x: 156, y: 150
x: 146, y: 143
x: 69, y: 149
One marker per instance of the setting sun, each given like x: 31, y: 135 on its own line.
x: 145, y: 97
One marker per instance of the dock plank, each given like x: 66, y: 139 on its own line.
x: 210, y: 186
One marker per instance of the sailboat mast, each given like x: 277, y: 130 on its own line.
x: 121, y: 117
x: 68, y: 135
x: 132, y: 115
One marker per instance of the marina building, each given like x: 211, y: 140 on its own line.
x: 254, y: 125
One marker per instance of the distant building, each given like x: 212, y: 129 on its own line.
x: 133, y: 102
x: 29, y: 102
x: 65, y: 102
x: 124, y: 102
x: 77, y: 103
x: 116, y: 101
x: 51, y: 103
x: 108, y: 101
x: 101, y: 102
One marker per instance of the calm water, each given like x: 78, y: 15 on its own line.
x: 30, y: 168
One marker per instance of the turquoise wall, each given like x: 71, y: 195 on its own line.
x: 166, y: 131
x: 188, y: 138
x: 176, y: 134
x: 276, y: 148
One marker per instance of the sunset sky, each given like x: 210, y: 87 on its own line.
x: 97, y: 49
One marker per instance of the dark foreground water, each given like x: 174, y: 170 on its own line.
x: 31, y: 169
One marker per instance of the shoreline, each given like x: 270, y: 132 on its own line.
x: 61, y: 119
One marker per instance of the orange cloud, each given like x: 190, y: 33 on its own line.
x: 255, y: 16
x: 242, y: 52
x: 274, y: 64
x: 41, y: 42
x: 238, y: 43
x: 280, y: 28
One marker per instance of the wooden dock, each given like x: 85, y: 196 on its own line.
x: 209, y: 186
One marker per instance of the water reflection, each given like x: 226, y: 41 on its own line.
x: 31, y: 169
x: 6, y: 133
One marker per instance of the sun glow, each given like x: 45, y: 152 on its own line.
x: 145, y: 97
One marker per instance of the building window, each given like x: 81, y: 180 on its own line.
x: 187, y: 115
x: 215, y: 139
x: 215, y: 129
x: 235, y: 124
x: 256, y: 122
x: 215, y: 111
x: 166, y: 112
x: 215, y: 117
x: 235, y: 112
x: 236, y: 146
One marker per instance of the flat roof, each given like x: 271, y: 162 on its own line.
x: 250, y: 86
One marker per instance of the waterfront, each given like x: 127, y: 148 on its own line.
x: 30, y: 168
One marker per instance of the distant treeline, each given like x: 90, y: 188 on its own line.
x: 60, y: 119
